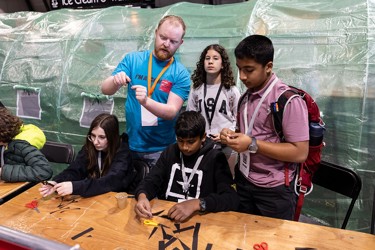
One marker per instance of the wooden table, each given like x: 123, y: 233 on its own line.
x: 9, y: 190
x: 112, y: 228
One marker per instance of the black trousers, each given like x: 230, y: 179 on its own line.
x: 276, y: 202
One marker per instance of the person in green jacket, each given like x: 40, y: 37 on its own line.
x: 20, y: 158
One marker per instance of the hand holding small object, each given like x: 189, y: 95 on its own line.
x: 121, y: 79
x: 48, y: 183
x: 48, y: 187
x: 140, y: 93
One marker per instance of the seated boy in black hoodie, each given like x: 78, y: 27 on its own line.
x: 190, y: 172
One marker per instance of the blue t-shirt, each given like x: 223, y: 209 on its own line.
x: 176, y: 79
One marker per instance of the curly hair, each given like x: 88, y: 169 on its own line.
x: 199, y: 75
x: 10, y: 125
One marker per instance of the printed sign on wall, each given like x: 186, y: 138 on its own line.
x: 28, y: 102
x: 93, y: 105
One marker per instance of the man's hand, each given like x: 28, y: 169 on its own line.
x: 140, y: 93
x: 183, y: 210
x: 143, y: 207
x: 121, y: 79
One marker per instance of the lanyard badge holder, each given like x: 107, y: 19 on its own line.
x: 245, y: 156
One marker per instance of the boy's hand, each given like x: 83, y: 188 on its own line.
x: 183, y: 210
x: 225, y: 134
x: 237, y: 141
x: 143, y: 207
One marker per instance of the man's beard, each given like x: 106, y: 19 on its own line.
x: 163, y: 54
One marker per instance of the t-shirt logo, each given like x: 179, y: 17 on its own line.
x: 165, y: 86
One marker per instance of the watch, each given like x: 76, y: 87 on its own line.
x: 253, y: 147
x: 202, y: 205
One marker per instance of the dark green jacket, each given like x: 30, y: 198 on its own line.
x: 24, y: 162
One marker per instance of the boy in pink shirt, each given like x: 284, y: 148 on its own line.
x: 261, y: 170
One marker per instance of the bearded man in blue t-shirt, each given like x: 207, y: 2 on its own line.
x: 157, y: 85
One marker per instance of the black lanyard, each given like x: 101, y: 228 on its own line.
x: 210, y: 118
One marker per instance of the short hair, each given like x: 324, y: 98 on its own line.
x: 174, y: 19
x: 256, y: 47
x: 190, y: 124
x: 199, y: 76
x: 10, y: 125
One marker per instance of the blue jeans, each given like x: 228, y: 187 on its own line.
x: 150, y: 158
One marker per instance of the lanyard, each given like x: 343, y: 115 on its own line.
x: 250, y: 127
x: 151, y: 89
x: 210, y: 118
x: 100, y: 163
x: 186, y: 184
x: 2, y: 156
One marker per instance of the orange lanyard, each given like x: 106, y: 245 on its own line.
x: 151, y: 89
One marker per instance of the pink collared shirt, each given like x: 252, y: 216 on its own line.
x: 265, y: 171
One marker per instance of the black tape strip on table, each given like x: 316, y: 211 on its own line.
x: 82, y: 233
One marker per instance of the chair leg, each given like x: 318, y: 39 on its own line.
x: 372, y: 226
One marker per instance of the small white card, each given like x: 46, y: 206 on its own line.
x: 245, y: 163
x: 148, y: 118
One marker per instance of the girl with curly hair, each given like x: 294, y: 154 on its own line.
x: 214, y: 94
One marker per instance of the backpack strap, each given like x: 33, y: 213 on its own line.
x: 277, y: 109
x: 303, y: 183
x: 301, y: 194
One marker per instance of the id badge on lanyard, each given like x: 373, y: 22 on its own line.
x: 148, y: 118
x: 245, y: 162
x: 245, y: 156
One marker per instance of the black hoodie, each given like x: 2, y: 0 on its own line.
x: 212, y: 181
x: 117, y: 179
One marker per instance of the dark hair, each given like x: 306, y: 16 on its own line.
x: 109, y: 123
x: 10, y: 125
x: 173, y: 19
x: 190, y: 124
x: 256, y: 47
x: 199, y: 75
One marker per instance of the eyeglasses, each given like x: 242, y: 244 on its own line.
x: 93, y: 137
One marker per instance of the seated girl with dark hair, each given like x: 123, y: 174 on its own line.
x: 102, y: 165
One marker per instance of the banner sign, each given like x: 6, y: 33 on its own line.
x: 88, y: 4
